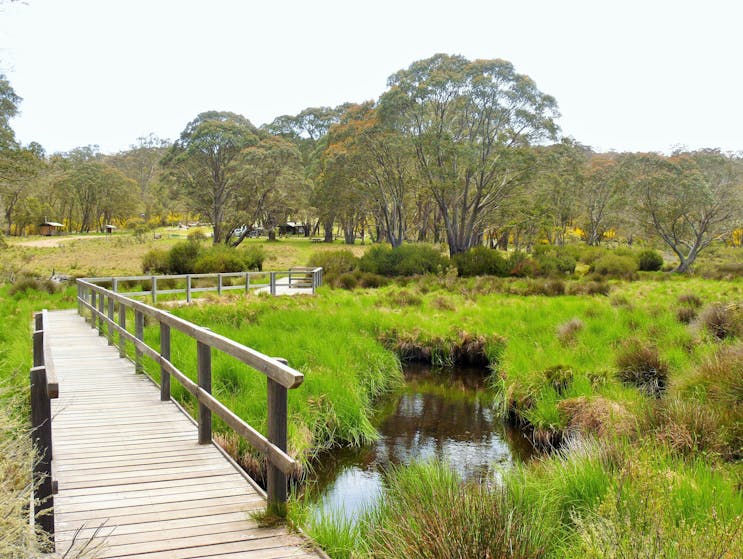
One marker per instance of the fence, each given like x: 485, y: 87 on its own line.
x: 44, y: 388
x: 308, y: 279
x: 108, y: 313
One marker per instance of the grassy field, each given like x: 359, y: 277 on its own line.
x: 121, y: 253
x: 635, y: 396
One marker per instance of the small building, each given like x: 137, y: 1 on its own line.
x: 49, y: 228
x: 108, y: 229
x: 291, y: 228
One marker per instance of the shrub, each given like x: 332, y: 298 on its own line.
x: 26, y: 283
x: 347, y: 281
x: 334, y: 261
x: 405, y: 260
x: 3, y: 242
x: 649, y: 260
x: 722, y: 320
x: 196, y: 235
x: 156, y: 261
x: 182, y: 257
x: 554, y: 264
x: 522, y: 266
x: 253, y: 257
x: 614, y: 265
x: 367, y: 279
x: 481, y: 261
x: 218, y: 258
x: 641, y: 366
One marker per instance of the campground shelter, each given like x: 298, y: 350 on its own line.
x: 49, y: 228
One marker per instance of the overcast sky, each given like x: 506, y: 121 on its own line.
x: 627, y: 75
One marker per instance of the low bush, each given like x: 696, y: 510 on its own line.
x: 640, y: 365
x: 616, y: 266
x: 650, y: 260
x: 521, y: 266
x: 26, y: 283
x: 334, y: 261
x: 555, y: 264
x: 219, y: 258
x: 481, y: 261
x: 156, y: 261
x: 182, y: 257
x: 405, y: 260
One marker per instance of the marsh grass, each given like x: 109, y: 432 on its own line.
x: 427, y: 512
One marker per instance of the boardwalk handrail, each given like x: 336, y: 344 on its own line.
x: 299, y: 277
x: 44, y: 387
x: 102, y: 303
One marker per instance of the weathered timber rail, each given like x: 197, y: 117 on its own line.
x: 280, y: 377
x: 44, y: 388
x: 294, y: 280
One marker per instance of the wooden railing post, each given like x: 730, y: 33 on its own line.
x: 111, y: 318
x: 247, y: 282
x: 79, y: 299
x: 219, y: 284
x: 276, y: 487
x: 101, y: 306
x: 93, y: 295
x: 165, y: 352
x: 122, y: 323
x: 272, y: 283
x: 204, y: 357
x: 188, y: 288
x: 139, y: 334
x: 153, y: 281
x: 41, y: 424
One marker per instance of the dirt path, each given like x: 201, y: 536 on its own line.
x: 53, y: 241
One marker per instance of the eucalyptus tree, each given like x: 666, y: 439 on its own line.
x: 204, y: 162
x: 380, y: 166
x: 604, y: 195
x: 90, y: 191
x: 141, y: 163
x: 470, y: 124
x: 690, y: 199
x: 270, y: 183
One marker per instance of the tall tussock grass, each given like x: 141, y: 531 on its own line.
x: 426, y: 512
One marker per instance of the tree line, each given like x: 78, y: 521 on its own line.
x: 461, y: 152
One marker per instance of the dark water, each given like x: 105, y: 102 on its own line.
x: 447, y: 415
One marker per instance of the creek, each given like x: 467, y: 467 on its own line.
x: 446, y: 415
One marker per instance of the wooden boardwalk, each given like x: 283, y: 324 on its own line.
x: 131, y: 473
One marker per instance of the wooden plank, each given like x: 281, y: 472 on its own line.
x: 126, y: 515
x: 115, y: 488
x: 151, y: 529
x: 272, y: 547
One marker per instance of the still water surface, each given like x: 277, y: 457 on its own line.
x: 447, y: 415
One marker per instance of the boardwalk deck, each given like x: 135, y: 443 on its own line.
x: 131, y: 473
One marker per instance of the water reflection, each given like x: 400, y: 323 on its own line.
x: 445, y: 415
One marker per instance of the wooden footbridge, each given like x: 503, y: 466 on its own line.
x: 125, y: 472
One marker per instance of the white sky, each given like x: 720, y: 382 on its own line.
x: 627, y: 75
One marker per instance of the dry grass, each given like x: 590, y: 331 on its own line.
x: 597, y: 416
x: 640, y: 365
x: 722, y: 320
x: 567, y: 332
